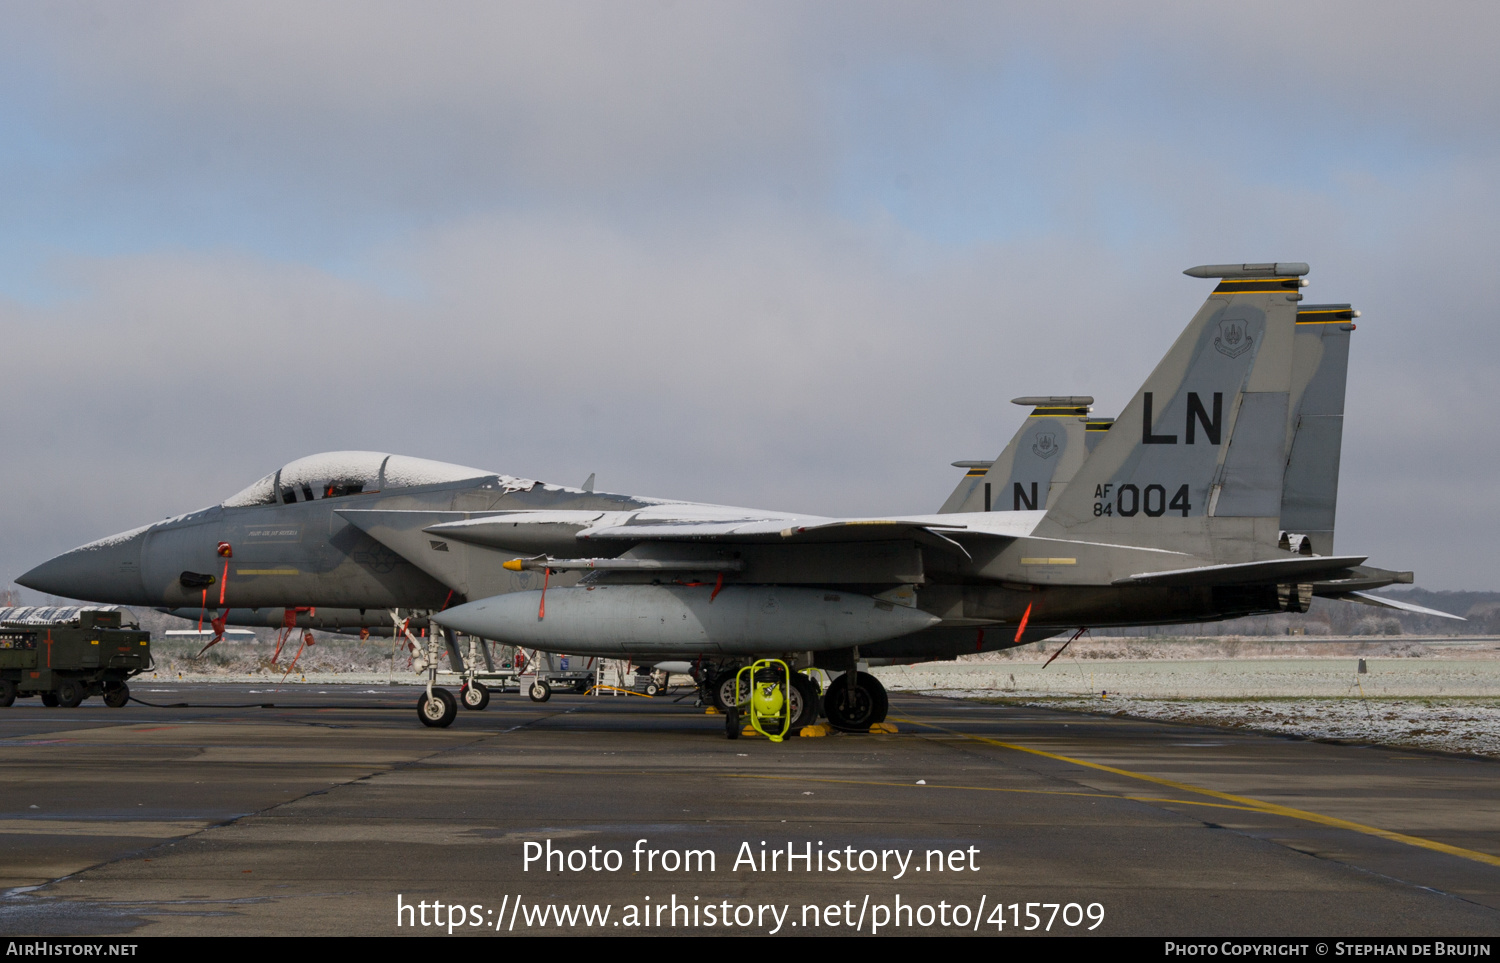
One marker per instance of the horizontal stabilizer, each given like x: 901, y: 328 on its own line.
x: 1300, y: 569
x: 1383, y: 602
x: 1361, y: 578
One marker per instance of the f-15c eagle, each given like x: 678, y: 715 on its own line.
x: 1179, y: 512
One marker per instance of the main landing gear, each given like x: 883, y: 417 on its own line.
x: 855, y: 706
x: 850, y: 706
x: 731, y: 696
x: 474, y: 695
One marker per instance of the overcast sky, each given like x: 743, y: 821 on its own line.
x: 793, y: 256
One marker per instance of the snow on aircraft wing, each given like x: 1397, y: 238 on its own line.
x: 713, y: 523
x: 811, y: 528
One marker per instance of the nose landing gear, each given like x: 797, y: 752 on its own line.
x: 437, y: 708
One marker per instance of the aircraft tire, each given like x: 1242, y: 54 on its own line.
x: 723, y: 690
x: 7, y: 693
x: 540, y: 691
x: 652, y: 689
x: 116, y: 696
x: 882, y: 698
x: 475, y: 695
x: 70, y: 694
x: 868, y: 706
x: 49, y: 699
x: 439, y: 711
x: 807, y: 701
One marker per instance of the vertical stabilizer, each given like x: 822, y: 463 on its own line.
x: 1040, y: 460
x: 1195, y: 463
x: 1320, y: 367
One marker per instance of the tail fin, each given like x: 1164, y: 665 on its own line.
x: 1040, y: 460
x: 970, y: 491
x: 1320, y: 366
x: 1093, y: 431
x: 1196, y: 461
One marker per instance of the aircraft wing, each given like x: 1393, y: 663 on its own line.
x: 696, y: 525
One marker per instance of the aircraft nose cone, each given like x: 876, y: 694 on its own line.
x: 108, y: 570
x: 471, y: 618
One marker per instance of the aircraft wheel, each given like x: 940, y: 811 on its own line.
x: 70, y: 694
x: 724, y: 693
x: 867, y: 703
x: 439, y: 711
x: 49, y: 699
x: 882, y: 699
x: 804, y: 696
x: 475, y: 695
x: 116, y: 696
x: 540, y: 691
x: 7, y: 693
x: 652, y: 689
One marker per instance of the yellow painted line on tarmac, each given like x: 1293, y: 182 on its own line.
x: 1246, y: 802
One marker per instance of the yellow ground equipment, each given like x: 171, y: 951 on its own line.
x: 770, y: 707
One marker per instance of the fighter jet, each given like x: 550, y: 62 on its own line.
x: 1175, y: 516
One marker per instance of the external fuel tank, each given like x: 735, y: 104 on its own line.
x: 684, y: 619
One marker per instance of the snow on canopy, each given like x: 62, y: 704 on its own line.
x: 335, y: 473
x: 262, y: 492
x: 403, y: 471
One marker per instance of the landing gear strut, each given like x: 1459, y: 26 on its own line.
x: 435, y: 707
x: 475, y: 694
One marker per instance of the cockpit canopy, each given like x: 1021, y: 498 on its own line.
x: 337, y: 473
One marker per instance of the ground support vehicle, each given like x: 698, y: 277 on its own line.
x: 552, y: 671
x: 65, y: 654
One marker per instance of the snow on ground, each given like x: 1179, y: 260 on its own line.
x: 1450, y: 702
x: 1448, y: 725
x: 1208, y: 678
